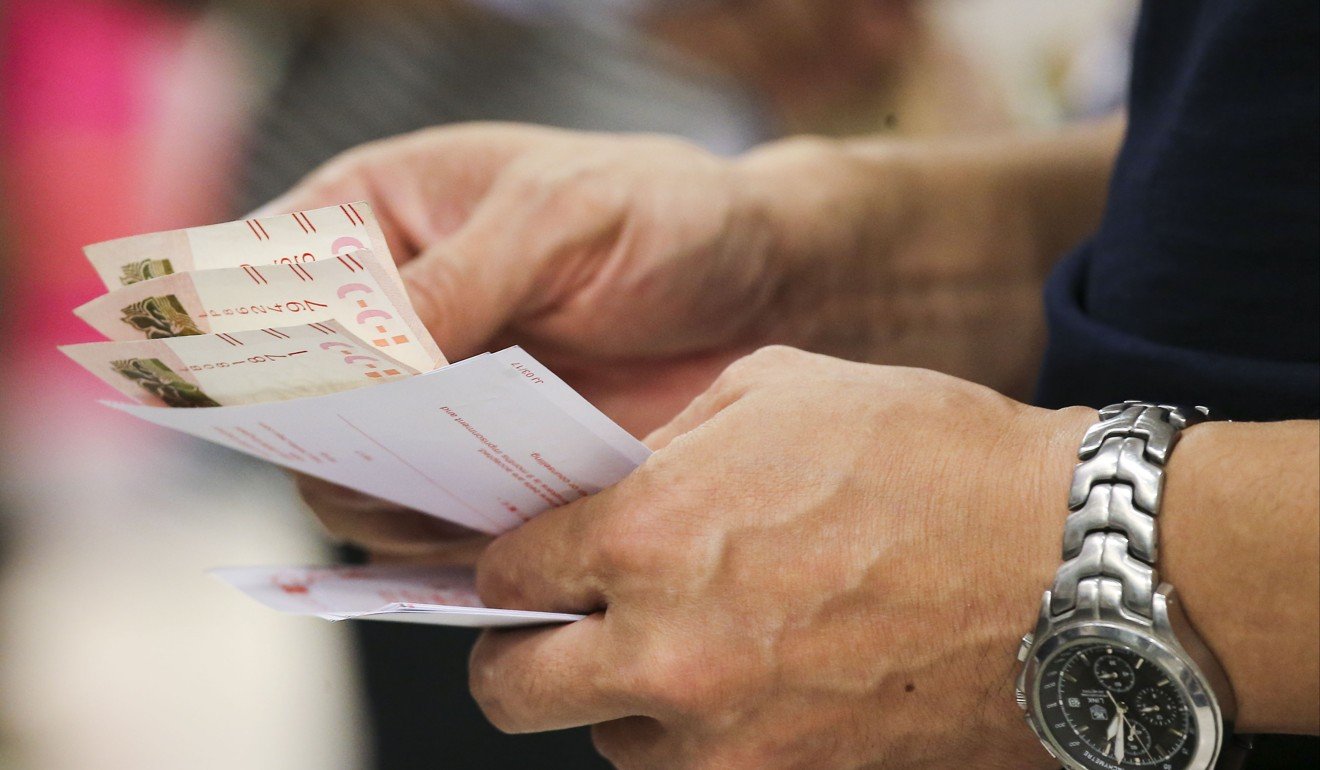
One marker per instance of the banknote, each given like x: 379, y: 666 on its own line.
x: 353, y: 289
x: 286, y: 239
x: 244, y: 367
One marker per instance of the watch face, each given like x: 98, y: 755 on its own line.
x: 1109, y: 708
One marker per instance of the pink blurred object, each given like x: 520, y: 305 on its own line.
x: 99, y: 141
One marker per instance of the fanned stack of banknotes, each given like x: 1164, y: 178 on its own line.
x: 291, y: 338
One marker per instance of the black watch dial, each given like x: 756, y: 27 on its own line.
x: 1109, y: 708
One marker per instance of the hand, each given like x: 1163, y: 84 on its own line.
x: 390, y: 532
x: 825, y: 564
x: 635, y: 267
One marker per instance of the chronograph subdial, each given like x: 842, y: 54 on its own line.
x: 1114, y: 673
x: 1159, y: 707
x: 1139, y: 744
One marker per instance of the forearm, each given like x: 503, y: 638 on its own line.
x: 1241, y: 543
x: 929, y: 253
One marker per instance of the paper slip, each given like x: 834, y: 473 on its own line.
x: 444, y: 596
x: 487, y: 443
x: 286, y: 239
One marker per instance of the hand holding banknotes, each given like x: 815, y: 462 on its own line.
x: 636, y: 267
x: 764, y: 589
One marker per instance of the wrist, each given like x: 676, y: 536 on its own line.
x: 1240, y: 546
x: 1049, y: 439
x: 832, y: 221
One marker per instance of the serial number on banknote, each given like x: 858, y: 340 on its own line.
x: 292, y: 306
x: 262, y: 359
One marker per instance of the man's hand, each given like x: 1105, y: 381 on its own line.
x: 637, y: 267
x: 826, y: 564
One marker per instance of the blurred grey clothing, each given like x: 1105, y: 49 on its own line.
x: 393, y: 67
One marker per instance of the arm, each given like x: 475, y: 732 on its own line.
x: 1241, y: 543
x: 931, y: 254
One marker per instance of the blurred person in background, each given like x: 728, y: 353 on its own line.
x: 726, y: 75
x: 722, y: 73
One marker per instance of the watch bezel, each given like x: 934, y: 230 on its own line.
x: 1202, y: 703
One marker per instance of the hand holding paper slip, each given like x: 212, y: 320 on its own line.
x: 486, y: 443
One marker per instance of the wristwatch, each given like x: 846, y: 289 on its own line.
x: 1114, y: 677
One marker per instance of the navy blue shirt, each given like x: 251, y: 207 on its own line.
x: 1202, y: 283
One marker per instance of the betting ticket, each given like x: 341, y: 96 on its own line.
x: 487, y: 443
x: 444, y: 596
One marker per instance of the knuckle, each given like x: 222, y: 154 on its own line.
x: 526, y: 183
x: 495, y: 586
x: 776, y: 357
x: 610, y: 741
x: 763, y: 363
x: 631, y: 744
x: 739, y: 758
x: 674, y: 679
x: 631, y: 546
x: 650, y: 531
x: 484, y: 684
x: 514, y: 691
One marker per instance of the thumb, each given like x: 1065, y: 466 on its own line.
x: 735, y: 383
x: 468, y: 287
x: 724, y: 392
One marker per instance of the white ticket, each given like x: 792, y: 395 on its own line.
x: 444, y: 596
x: 487, y: 443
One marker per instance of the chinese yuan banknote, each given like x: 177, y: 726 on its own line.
x: 352, y: 289
x: 286, y: 239
x: 245, y: 367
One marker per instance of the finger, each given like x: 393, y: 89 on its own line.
x: 698, y: 412
x: 530, y: 680
x: 632, y: 743
x: 738, y: 379
x: 346, y: 179
x: 466, y: 288
x: 423, y: 185
x: 551, y: 563
x: 379, y: 526
x: 728, y: 389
